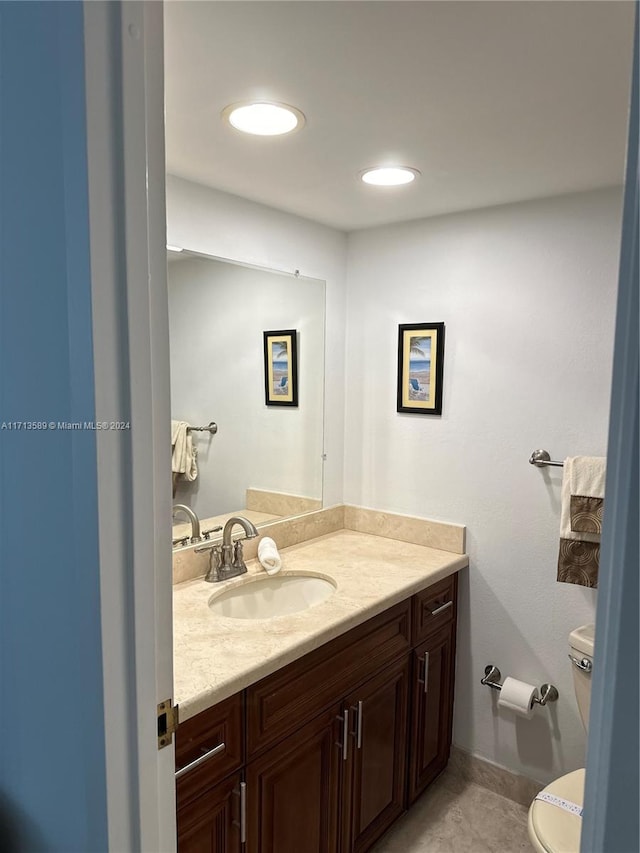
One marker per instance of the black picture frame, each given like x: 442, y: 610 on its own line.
x: 280, y: 381
x: 419, y: 390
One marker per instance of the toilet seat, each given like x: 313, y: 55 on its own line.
x: 551, y: 828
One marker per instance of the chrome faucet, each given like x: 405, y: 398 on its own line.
x: 195, y: 523
x: 226, y: 560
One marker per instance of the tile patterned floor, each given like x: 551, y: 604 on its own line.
x: 454, y: 816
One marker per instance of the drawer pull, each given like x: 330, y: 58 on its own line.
x: 442, y: 608
x: 209, y: 754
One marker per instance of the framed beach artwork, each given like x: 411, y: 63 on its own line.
x: 281, y: 368
x: 420, y: 363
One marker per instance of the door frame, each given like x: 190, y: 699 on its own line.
x: 125, y: 117
x: 612, y: 786
x: 124, y: 74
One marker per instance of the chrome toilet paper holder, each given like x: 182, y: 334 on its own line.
x: 492, y: 676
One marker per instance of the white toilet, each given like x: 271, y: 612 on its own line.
x: 553, y: 829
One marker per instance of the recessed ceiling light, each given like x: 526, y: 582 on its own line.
x: 174, y: 248
x: 262, y: 118
x: 389, y: 176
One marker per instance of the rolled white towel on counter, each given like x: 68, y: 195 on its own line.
x: 268, y: 556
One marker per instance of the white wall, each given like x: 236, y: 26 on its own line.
x: 216, y: 223
x: 217, y: 314
x: 527, y: 293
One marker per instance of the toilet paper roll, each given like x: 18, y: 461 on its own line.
x: 518, y: 696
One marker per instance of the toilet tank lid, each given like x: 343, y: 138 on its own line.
x: 583, y: 638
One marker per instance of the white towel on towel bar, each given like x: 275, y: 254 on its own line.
x: 183, y: 453
x: 587, y: 475
x: 582, y: 476
x: 581, y: 520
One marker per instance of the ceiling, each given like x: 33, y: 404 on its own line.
x: 493, y: 102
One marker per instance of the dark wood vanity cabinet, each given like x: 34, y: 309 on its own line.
x: 210, y: 823
x: 431, y: 711
x: 433, y: 674
x: 373, y: 794
x: 209, y: 787
x: 292, y: 791
x: 334, y: 746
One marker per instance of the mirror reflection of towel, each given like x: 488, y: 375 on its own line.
x: 581, y: 520
x: 183, y: 453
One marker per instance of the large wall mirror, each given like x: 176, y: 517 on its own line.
x: 265, y: 459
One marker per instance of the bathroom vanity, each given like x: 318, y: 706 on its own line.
x: 325, y: 752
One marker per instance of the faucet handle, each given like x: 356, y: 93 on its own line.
x: 206, y: 534
x: 238, y: 559
x: 215, y: 563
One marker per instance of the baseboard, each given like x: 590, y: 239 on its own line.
x: 479, y: 771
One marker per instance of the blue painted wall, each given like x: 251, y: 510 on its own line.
x: 52, y: 761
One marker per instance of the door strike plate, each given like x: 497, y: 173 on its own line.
x: 167, y: 723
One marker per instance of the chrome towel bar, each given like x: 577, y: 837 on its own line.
x: 212, y: 429
x: 541, y: 459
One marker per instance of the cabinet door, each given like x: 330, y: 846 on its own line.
x: 374, y: 790
x: 432, y: 712
x: 293, y: 791
x: 211, y: 823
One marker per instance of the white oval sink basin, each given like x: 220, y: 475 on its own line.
x: 268, y: 597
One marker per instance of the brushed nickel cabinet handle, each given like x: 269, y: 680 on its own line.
x: 209, y: 754
x: 424, y: 681
x: 344, y: 746
x: 441, y: 608
x: 345, y: 734
x: 356, y: 732
x: 243, y: 812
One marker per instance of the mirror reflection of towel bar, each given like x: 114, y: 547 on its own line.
x: 212, y: 429
x: 540, y: 458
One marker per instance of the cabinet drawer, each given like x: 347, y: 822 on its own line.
x: 282, y: 702
x: 434, y: 608
x: 216, y: 733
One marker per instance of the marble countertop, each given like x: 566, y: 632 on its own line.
x: 215, y: 657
